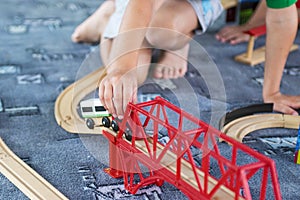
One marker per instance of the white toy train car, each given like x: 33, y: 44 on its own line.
x: 92, y: 110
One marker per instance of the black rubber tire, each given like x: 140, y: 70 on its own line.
x: 106, y: 122
x: 115, y: 126
x: 128, y: 134
x: 90, y: 123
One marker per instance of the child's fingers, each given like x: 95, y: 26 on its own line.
x: 118, y: 100
x: 284, y: 109
x: 108, y: 99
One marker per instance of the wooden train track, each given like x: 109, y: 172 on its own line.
x: 66, y: 115
x: 241, y: 126
x: 66, y: 104
x: 25, y: 178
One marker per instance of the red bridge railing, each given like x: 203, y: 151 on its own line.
x: 189, y: 158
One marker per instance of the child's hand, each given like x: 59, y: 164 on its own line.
x: 116, y: 90
x: 232, y: 34
x: 284, y: 103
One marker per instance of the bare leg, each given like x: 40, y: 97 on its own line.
x: 91, y: 29
x: 173, y: 62
x: 128, y: 61
x: 144, y: 55
x: 174, y: 38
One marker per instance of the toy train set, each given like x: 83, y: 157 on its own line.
x: 166, y: 161
x: 132, y: 147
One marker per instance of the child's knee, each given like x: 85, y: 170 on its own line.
x: 164, y: 35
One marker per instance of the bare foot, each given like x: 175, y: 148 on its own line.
x: 91, y: 29
x: 172, y: 64
x: 233, y: 34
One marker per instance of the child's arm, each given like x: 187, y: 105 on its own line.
x: 120, y: 85
x: 235, y: 34
x: 278, y: 43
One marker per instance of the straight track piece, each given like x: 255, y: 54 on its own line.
x: 25, y: 178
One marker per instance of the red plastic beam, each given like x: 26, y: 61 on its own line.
x: 257, y: 31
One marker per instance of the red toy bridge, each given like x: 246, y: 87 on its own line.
x: 145, y: 159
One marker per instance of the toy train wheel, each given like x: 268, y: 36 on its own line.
x: 115, y: 126
x: 128, y: 134
x: 106, y: 122
x: 90, y: 123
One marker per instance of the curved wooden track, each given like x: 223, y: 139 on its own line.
x: 66, y: 104
x: 26, y: 179
x: 240, y: 127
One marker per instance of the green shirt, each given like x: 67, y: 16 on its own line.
x: 280, y: 3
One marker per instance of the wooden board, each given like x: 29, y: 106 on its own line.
x: 258, y: 56
x: 229, y: 3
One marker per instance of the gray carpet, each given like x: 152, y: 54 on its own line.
x: 38, y: 60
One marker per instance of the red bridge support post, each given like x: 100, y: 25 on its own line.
x: 114, y: 169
